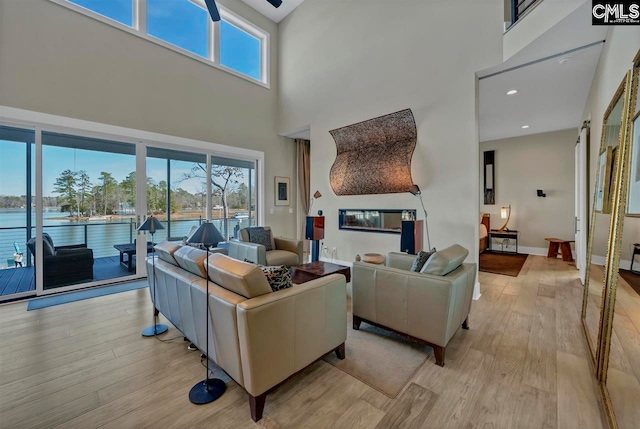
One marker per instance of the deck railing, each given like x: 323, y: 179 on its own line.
x: 99, y: 236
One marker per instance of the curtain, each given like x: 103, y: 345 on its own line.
x: 304, y: 183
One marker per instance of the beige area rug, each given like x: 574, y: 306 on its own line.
x: 379, y: 358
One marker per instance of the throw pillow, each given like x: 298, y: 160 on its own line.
x: 278, y: 276
x: 259, y: 235
x: 421, y: 258
x: 197, y: 246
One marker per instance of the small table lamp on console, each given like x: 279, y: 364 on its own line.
x: 209, y: 389
x: 505, y: 213
x: 152, y: 224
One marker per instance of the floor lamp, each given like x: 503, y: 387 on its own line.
x: 152, y: 224
x: 415, y: 191
x: 209, y: 389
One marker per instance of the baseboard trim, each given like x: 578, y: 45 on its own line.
x: 336, y: 261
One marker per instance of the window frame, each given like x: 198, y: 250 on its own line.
x: 139, y: 28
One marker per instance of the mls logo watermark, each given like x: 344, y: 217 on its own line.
x: 620, y: 12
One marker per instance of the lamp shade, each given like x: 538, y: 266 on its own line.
x: 206, y: 234
x: 504, y: 212
x: 414, y: 189
x: 317, y: 195
x: 151, y: 224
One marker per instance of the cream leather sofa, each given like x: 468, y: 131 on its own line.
x: 258, y: 337
x: 285, y: 251
x: 428, y: 308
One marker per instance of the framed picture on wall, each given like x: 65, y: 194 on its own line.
x: 633, y: 198
x: 282, y: 191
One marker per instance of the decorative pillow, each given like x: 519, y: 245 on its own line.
x: 259, y: 235
x: 421, y: 258
x: 445, y: 261
x: 278, y: 276
x: 197, y: 246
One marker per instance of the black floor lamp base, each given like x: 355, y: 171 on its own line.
x: 207, y: 391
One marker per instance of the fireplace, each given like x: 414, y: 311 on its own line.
x: 388, y: 221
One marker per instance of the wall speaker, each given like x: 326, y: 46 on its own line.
x: 315, y: 228
x: 411, y: 236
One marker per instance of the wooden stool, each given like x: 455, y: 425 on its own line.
x: 565, y: 249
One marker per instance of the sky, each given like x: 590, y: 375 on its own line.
x: 57, y: 159
x: 184, y: 24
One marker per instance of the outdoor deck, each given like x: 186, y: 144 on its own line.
x: 16, y: 280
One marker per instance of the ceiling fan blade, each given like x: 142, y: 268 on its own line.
x: 213, y: 10
x: 275, y: 3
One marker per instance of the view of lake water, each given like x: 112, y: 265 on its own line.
x: 100, y: 235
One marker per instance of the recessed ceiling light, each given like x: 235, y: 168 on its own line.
x: 525, y: 127
x: 512, y: 91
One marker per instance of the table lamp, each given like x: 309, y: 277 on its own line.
x: 505, y: 213
x: 209, y: 389
x: 415, y: 191
x: 152, y: 224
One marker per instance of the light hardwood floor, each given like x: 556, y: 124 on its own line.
x: 523, y: 364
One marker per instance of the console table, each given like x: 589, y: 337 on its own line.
x: 505, y: 235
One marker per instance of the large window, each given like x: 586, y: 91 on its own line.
x: 118, y: 10
x: 233, y: 44
x: 181, y: 23
x: 240, y: 50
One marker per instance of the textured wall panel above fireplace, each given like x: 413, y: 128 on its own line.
x: 374, y: 156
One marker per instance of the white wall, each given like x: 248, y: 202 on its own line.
x: 621, y: 46
x: 345, y: 61
x: 523, y: 165
x: 57, y: 61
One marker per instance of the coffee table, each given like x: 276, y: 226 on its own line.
x: 129, y: 249
x: 314, y: 270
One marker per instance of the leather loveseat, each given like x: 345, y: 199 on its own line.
x: 258, y: 337
x: 428, y: 306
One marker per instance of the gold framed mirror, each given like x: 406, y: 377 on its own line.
x: 619, y: 353
x: 604, y: 220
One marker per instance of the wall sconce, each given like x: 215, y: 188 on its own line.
x: 541, y: 193
x: 505, y: 213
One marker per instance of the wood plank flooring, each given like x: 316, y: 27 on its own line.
x: 523, y: 364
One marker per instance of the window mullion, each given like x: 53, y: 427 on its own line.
x: 215, y: 41
x: 140, y: 15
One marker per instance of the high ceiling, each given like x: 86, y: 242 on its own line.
x: 552, y: 76
x: 276, y: 15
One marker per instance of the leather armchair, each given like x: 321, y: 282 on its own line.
x: 426, y: 308
x: 287, y: 252
x: 64, y: 265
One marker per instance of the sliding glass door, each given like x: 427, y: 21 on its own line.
x: 17, y: 212
x: 233, y: 187
x: 176, y: 191
x: 71, y: 202
x: 89, y: 213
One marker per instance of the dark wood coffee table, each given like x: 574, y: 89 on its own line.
x: 314, y: 270
x: 129, y: 249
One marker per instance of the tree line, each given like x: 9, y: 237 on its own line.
x: 79, y: 196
